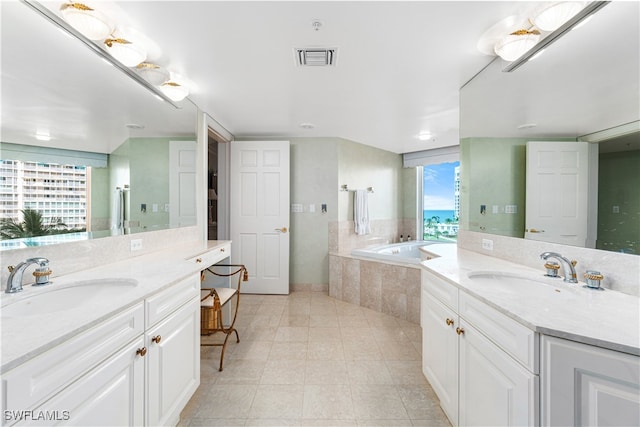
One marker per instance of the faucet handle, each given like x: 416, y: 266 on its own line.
x: 10, y: 268
x: 574, y: 262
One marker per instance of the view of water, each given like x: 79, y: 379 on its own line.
x: 442, y: 214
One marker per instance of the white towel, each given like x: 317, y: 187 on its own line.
x: 117, y: 211
x: 361, y: 212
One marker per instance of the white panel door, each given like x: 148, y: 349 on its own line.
x: 583, y: 385
x: 182, y: 183
x: 259, y: 222
x: 561, y: 191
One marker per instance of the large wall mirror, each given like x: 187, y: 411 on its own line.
x: 65, y: 107
x: 584, y: 87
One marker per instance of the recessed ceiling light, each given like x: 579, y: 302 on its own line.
x: 527, y: 126
x: 307, y: 125
x: 425, y: 136
x: 43, y: 136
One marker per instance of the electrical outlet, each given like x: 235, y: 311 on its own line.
x: 312, y: 208
x: 154, y: 207
x: 136, y: 245
x: 487, y: 244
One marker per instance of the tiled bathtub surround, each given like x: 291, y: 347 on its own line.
x: 385, y: 288
x: 621, y: 271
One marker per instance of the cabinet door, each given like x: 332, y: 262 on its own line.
x: 173, y: 364
x: 440, y: 352
x: 495, y: 390
x: 587, y: 385
x: 112, y: 394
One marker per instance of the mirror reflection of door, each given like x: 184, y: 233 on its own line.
x: 561, y: 201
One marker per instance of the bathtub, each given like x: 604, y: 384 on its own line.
x: 405, y: 252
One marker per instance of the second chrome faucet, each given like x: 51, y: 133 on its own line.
x: 568, y: 267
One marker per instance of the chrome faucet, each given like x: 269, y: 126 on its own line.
x: 42, y: 273
x: 567, y: 266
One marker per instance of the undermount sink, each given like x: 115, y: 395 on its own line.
x: 67, y: 297
x: 542, y: 285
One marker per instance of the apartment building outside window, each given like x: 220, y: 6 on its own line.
x: 56, y: 191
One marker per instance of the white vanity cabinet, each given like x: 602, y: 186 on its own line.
x: 468, y: 358
x: 139, y: 367
x: 586, y: 385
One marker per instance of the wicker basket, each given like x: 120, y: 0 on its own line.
x: 210, y: 315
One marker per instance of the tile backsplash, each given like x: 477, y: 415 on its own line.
x: 621, y: 271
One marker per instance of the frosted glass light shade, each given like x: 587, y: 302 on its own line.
x: 93, y: 24
x: 515, y: 45
x: 176, y: 88
x: 152, y: 73
x: 552, y: 15
x: 128, y: 53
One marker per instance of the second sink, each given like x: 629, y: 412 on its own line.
x: 67, y: 297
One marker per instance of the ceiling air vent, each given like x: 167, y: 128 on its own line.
x: 316, y: 57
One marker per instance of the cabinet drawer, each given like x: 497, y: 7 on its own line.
x: 162, y: 304
x: 441, y: 289
x: 31, y: 383
x: 519, y: 341
x: 213, y: 256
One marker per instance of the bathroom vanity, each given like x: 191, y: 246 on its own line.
x: 503, y: 345
x: 129, y: 357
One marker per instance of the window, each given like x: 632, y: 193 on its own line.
x: 441, y: 201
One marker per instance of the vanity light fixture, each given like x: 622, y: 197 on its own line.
x: 130, y: 54
x: 152, y: 73
x: 175, y: 88
x: 574, y: 21
x: 92, y: 23
x: 516, y: 44
x: 551, y: 15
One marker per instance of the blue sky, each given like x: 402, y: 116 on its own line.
x: 438, y: 186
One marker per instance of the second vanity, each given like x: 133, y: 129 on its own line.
x: 504, y: 345
x: 125, y: 353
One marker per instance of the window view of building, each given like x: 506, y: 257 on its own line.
x: 54, y: 191
x: 441, y: 201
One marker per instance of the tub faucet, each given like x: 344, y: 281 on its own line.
x: 42, y: 273
x: 567, y: 266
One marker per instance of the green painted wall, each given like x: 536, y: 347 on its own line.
x: 100, y: 198
x: 619, y: 186
x: 361, y: 166
x: 492, y: 173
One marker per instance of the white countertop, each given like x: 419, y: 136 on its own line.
x: 607, y: 319
x: 25, y: 337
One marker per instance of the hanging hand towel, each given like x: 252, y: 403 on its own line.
x: 361, y: 212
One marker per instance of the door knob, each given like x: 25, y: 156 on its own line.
x: 282, y: 230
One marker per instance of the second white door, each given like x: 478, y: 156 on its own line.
x: 259, y: 207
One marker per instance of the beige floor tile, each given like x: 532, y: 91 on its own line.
x: 250, y: 350
x: 283, y: 372
x: 379, y: 402
x: 325, y: 350
x: 325, y: 333
x: 292, y: 334
x: 326, y: 372
x: 289, y: 350
x: 368, y: 372
x: 277, y: 401
x: 309, y: 360
x: 227, y: 401
x: 327, y: 402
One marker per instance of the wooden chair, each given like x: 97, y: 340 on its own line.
x: 213, y: 299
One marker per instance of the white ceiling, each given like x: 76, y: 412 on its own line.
x: 399, y: 70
